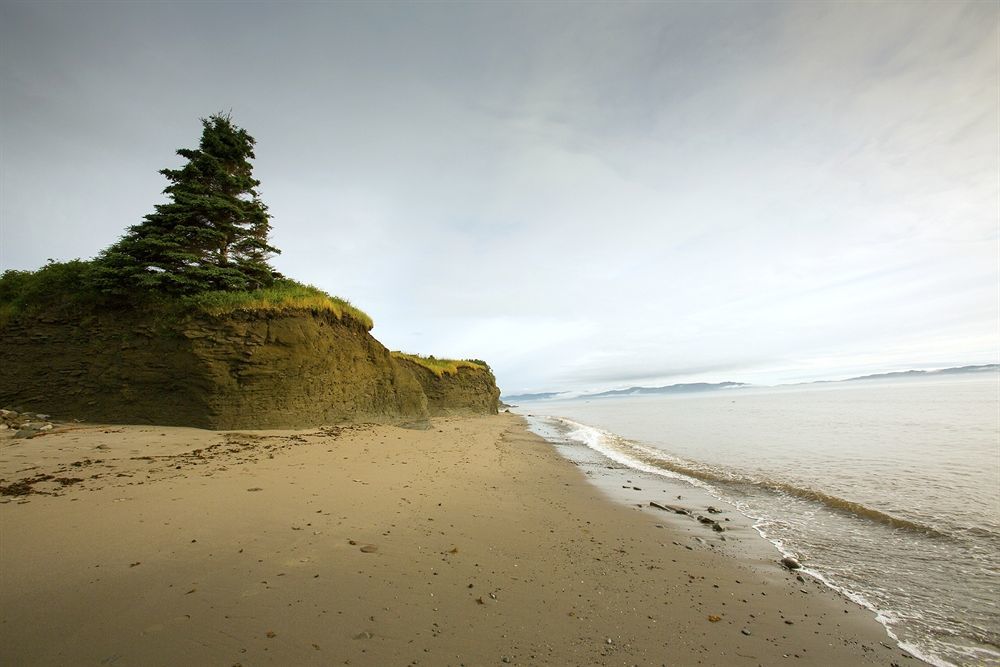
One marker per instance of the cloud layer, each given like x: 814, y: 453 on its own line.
x: 585, y: 195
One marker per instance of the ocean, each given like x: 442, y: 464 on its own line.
x: 888, y: 491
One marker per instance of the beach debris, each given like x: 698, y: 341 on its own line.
x: 791, y: 563
x: 712, y: 618
x: 270, y: 634
x: 369, y: 549
x: 716, y: 526
x: 480, y: 600
x: 669, y: 508
x: 255, y: 488
x: 24, y: 486
x: 364, y: 635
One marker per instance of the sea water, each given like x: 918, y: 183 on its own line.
x: 888, y: 491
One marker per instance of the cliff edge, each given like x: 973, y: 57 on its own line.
x: 454, y: 387
x: 246, y: 369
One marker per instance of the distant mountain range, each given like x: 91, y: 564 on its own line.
x: 532, y: 397
x: 713, y: 386
x: 631, y: 391
x: 958, y: 370
x: 668, y: 389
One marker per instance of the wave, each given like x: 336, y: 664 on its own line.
x: 648, y: 459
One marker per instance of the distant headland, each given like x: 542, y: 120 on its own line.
x: 696, y: 387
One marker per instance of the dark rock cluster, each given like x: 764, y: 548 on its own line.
x: 23, y: 424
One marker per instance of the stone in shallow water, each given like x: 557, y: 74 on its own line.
x: 791, y: 563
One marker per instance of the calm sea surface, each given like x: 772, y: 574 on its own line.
x: 889, y: 491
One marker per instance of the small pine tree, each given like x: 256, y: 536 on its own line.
x: 212, y: 235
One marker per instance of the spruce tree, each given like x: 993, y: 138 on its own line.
x: 211, y: 235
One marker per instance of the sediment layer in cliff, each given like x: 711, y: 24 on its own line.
x: 466, y: 389
x: 268, y: 369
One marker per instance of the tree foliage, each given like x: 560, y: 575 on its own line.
x: 211, y: 235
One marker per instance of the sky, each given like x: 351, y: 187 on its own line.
x: 588, y: 196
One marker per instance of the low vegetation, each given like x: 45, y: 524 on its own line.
x: 56, y: 289
x: 442, y: 366
x: 284, y: 294
x: 69, y: 289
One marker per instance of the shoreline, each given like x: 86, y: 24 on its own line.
x: 473, y: 542
x: 687, y: 503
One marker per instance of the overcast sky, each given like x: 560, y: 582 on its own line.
x: 585, y: 195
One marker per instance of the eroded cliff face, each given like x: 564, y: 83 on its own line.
x: 239, y: 371
x: 467, y: 391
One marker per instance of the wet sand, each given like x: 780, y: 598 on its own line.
x: 469, y: 543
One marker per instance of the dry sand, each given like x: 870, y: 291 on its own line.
x: 470, y: 543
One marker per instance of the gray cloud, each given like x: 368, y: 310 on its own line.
x: 574, y: 192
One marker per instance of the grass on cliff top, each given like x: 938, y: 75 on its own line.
x: 441, y: 366
x: 68, y: 289
x: 283, y: 295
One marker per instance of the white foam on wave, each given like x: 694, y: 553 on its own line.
x: 615, y: 448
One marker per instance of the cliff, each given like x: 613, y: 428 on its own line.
x: 454, y: 387
x: 266, y: 369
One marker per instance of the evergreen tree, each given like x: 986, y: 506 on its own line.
x: 212, y: 235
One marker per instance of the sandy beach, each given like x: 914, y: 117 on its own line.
x: 470, y: 543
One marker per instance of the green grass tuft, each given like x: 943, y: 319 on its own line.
x: 283, y: 295
x: 442, y: 366
x: 68, y: 289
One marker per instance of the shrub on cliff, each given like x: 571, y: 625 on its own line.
x: 57, y: 288
x: 212, y: 235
